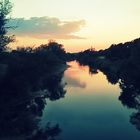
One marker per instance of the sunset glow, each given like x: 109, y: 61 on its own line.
x: 70, y: 69
x: 80, y: 24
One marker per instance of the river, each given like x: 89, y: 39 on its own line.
x: 90, y: 109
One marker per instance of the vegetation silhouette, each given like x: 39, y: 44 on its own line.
x: 5, y: 9
x: 121, y: 64
x: 130, y: 94
x: 28, y: 77
x: 22, y: 103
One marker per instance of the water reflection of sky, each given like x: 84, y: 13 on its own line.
x: 90, y: 109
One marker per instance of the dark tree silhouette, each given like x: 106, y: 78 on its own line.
x: 24, y: 93
x: 52, y: 48
x: 5, y: 9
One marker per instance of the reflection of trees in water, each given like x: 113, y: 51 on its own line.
x: 135, y: 119
x: 55, y: 91
x: 120, y: 63
x: 130, y: 95
x: 112, y: 77
x: 129, y: 82
x: 92, y: 70
x: 130, y: 91
x: 22, y: 104
x: 22, y: 120
x: 50, y: 132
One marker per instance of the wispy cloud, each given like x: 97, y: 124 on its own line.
x: 74, y: 81
x: 46, y: 27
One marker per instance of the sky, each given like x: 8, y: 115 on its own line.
x: 77, y: 24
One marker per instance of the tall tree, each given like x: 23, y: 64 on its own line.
x: 5, y: 9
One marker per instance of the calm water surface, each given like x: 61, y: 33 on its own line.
x: 90, y: 109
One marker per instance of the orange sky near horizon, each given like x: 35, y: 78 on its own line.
x: 69, y: 45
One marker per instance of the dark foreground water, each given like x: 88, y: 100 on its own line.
x: 90, y: 109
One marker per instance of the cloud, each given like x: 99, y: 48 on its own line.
x: 74, y: 82
x: 46, y: 27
